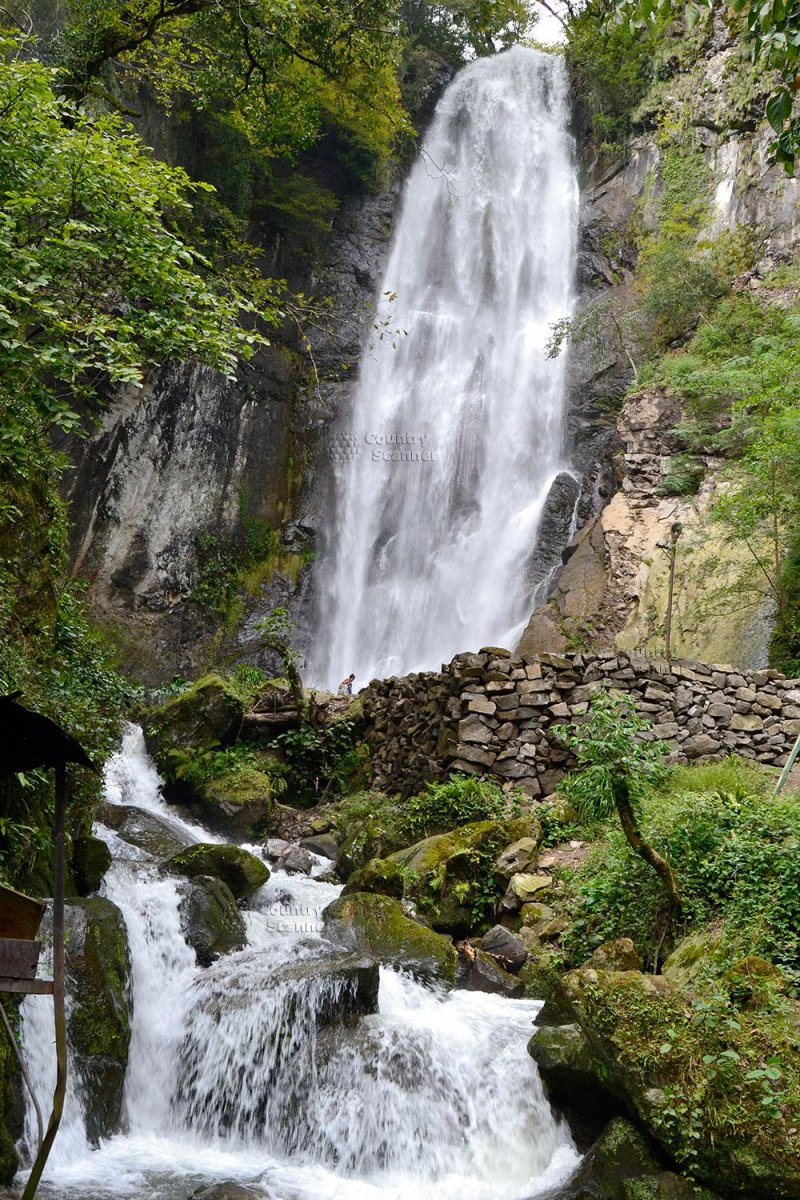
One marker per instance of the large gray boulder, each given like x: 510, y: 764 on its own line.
x: 378, y: 926
x: 99, y: 1021
x: 210, y: 919
x: 147, y: 831
x: 240, y: 870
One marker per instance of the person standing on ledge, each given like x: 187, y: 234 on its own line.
x: 346, y: 686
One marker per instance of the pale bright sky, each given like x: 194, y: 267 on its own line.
x: 548, y: 28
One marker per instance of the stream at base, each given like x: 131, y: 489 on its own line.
x: 234, y: 1075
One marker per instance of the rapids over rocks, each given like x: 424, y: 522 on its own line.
x: 234, y: 1073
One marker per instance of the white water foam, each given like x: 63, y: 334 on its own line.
x: 235, y: 1071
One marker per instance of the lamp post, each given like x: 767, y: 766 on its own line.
x: 670, y: 548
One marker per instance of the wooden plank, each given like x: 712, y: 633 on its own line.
x: 18, y: 958
x: 28, y: 987
x: 20, y: 915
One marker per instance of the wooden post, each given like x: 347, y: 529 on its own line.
x: 58, y: 987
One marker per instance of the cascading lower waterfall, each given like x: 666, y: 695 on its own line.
x: 457, y: 428
x: 246, y: 1070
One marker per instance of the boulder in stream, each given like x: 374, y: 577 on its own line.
x: 480, y: 972
x: 156, y: 835
x: 98, y: 980
x: 229, y: 1191
x: 378, y: 926
x: 621, y: 1166
x: 240, y: 870
x: 91, y: 858
x: 210, y: 919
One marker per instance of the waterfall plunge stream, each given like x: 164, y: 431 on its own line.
x: 434, y: 1096
x: 457, y: 427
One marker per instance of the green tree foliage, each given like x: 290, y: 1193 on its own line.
x: 97, y: 279
x: 774, y: 31
x: 735, y: 851
x: 610, y: 74
x: 607, y: 743
x: 615, y: 766
x: 66, y: 671
x: 460, y: 28
x: 282, y: 70
x: 276, y: 636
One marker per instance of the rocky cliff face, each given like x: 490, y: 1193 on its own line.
x: 174, y: 472
x: 172, y: 469
x: 611, y: 590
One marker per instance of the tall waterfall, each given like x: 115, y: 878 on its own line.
x: 235, y: 1073
x: 457, y: 428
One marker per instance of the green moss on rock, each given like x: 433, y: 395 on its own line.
x: 237, y: 802
x: 577, y: 1081
x: 208, y: 714
x: 240, y: 870
x: 450, y: 877
x: 210, y: 919
x: 369, y: 825
x: 378, y: 926
x: 621, y: 1166
x: 98, y: 971
x: 91, y: 858
x: 694, y: 1073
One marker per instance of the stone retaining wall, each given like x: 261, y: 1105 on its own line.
x: 490, y: 714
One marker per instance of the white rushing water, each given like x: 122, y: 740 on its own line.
x: 457, y: 428
x: 234, y: 1072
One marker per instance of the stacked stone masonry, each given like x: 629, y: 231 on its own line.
x: 492, y: 714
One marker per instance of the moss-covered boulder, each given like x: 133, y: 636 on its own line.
x: 621, y: 1166
x: 378, y: 926
x: 450, y: 877
x: 368, y: 826
x: 576, y: 1080
x: 91, y: 858
x: 207, y: 714
x: 619, y: 955
x: 695, y: 1074
x: 697, y: 957
x: 156, y: 835
x: 236, y: 803
x: 99, y: 1023
x: 238, y: 869
x: 210, y: 919
x: 754, y: 983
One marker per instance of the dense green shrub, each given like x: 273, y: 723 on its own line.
x: 610, y: 73
x: 736, y: 852
x: 321, y: 763
x: 458, y: 801
x: 683, y: 476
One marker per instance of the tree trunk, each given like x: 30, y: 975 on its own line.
x: 630, y: 827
